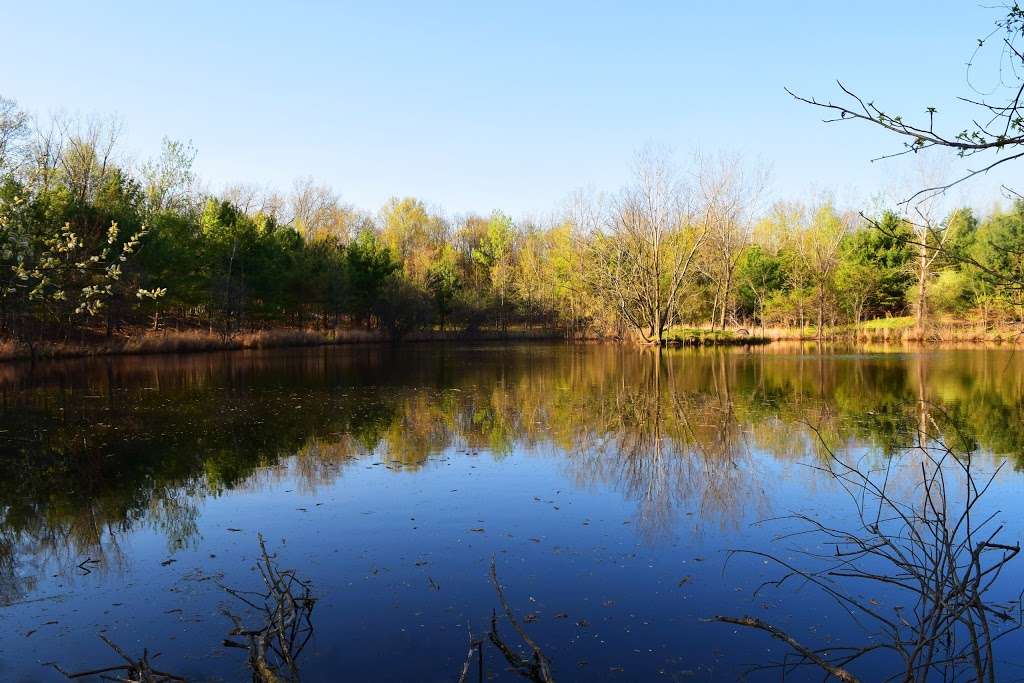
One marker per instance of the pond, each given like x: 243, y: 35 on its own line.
x: 607, y: 483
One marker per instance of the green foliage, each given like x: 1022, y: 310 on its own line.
x: 999, y: 248
x: 369, y: 266
x: 877, y: 265
x: 898, y: 323
x: 401, y: 307
x: 444, y: 283
x: 760, y: 275
x: 961, y: 236
x: 496, y: 246
x: 54, y: 275
x: 950, y: 292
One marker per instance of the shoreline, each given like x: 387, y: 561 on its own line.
x: 199, y: 341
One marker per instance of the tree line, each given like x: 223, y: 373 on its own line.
x: 92, y: 244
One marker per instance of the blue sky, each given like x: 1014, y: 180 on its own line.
x: 475, y: 106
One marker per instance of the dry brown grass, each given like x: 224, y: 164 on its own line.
x: 201, y: 340
x: 8, y: 350
x: 956, y: 332
x: 899, y: 331
x: 174, y: 342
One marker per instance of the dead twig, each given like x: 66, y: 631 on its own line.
x: 476, y: 646
x: 285, y: 608
x: 753, y: 622
x: 936, y: 550
x: 535, y: 668
x: 132, y: 671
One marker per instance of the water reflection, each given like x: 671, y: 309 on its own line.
x: 92, y: 450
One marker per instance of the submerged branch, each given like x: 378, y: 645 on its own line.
x: 285, y: 608
x: 132, y: 671
x: 804, y: 651
x: 537, y: 668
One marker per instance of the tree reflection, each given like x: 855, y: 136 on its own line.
x: 95, y: 449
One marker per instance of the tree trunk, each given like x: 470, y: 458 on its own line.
x: 922, y: 280
x: 725, y: 298
x: 821, y: 315
x: 714, y: 307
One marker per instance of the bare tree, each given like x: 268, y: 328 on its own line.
x: 44, y: 152
x: 727, y: 192
x: 816, y: 241
x: 87, y: 154
x: 930, y: 241
x: 168, y: 179
x: 998, y: 129
x: 252, y: 199
x: 643, y: 257
x: 316, y: 210
x: 14, y: 130
x: 995, y: 131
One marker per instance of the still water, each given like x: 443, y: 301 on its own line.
x: 608, y: 484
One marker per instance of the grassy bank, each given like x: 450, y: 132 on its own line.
x: 885, y: 331
x: 900, y: 330
x: 940, y: 331
x: 691, y: 336
x: 193, y: 341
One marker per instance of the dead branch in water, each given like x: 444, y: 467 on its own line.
x: 132, y: 671
x: 537, y: 668
x: 804, y: 651
x: 476, y: 646
x: 286, y: 608
x: 932, y: 550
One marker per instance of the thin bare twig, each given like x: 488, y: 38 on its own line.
x: 934, y: 548
x: 132, y: 671
x: 285, y: 607
x: 537, y: 668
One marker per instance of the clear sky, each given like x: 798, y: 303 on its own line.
x: 479, y: 105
